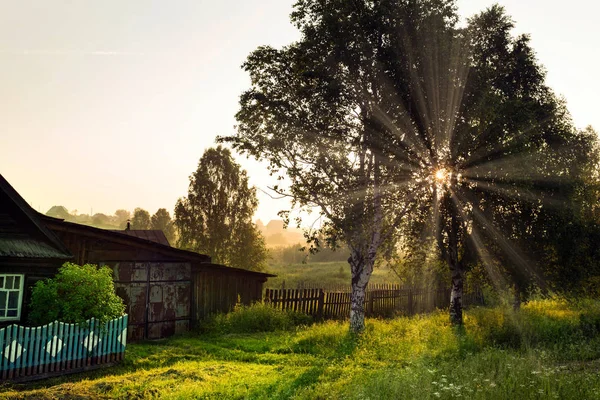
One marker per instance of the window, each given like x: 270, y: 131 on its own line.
x: 11, y: 296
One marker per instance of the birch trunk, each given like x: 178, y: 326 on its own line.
x: 363, y: 252
x: 361, y: 273
x: 457, y: 274
x: 456, y: 294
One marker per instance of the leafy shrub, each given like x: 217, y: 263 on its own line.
x: 76, y: 294
x: 258, y: 317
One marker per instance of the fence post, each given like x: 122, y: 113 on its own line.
x: 410, y: 302
x: 370, y: 302
x: 320, y: 304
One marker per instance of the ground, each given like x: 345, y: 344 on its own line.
x: 548, y: 350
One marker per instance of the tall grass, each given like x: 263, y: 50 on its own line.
x: 258, y: 317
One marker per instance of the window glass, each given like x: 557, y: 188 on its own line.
x: 13, y: 299
x: 11, y: 294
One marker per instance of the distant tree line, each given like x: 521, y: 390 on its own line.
x: 140, y: 219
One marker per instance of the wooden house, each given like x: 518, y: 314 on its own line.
x: 166, y: 290
x: 29, y: 251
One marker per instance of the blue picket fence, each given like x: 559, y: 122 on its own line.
x: 59, y: 348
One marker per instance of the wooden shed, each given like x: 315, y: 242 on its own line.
x: 166, y: 290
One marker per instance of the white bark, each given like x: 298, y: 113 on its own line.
x: 361, y: 273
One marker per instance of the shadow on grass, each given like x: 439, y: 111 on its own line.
x: 286, y: 388
x: 164, y: 354
x: 327, y: 345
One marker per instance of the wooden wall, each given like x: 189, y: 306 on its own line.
x: 218, y: 290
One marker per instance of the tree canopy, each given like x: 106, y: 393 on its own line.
x: 215, y: 218
x: 141, y: 219
x: 387, y: 109
x: 161, y: 220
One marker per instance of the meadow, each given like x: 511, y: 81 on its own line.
x: 549, y: 349
x: 321, y: 274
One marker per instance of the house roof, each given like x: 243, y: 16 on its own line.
x: 153, y: 235
x: 120, y: 236
x: 22, y: 233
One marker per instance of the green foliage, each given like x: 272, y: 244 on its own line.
x: 161, y: 220
x: 375, y: 97
x: 216, y: 216
x: 258, y: 317
x: 74, y: 295
x: 141, y: 219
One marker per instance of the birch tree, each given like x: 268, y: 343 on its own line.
x: 385, y: 109
x: 323, y: 114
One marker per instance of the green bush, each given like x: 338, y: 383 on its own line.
x: 259, y: 317
x: 76, y: 294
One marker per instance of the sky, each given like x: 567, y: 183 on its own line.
x: 110, y: 104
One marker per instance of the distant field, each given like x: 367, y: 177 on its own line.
x: 548, y: 350
x: 327, y: 273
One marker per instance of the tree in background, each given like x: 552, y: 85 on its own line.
x: 58, y: 212
x: 216, y: 216
x: 161, y: 220
x: 101, y: 220
x: 141, y: 219
x: 121, y: 218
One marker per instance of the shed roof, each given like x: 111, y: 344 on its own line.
x: 153, y: 235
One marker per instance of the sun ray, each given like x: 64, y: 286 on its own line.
x: 510, y: 250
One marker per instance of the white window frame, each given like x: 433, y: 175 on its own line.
x: 7, y: 291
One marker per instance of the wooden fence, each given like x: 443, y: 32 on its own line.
x: 384, y: 300
x: 28, y: 353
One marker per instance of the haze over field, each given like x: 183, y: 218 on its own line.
x: 108, y: 105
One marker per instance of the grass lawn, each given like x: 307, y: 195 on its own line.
x: 322, y: 274
x: 545, y: 351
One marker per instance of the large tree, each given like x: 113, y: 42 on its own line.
x: 216, y: 216
x: 161, y: 220
x: 317, y: 112
x: 389, y: 107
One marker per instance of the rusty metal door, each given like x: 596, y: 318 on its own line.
x: 157, y: 297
